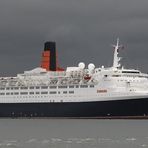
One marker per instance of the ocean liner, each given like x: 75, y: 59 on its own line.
x: 76, y: 92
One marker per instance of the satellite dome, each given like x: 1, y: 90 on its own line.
x: 81, y: 65
x: 91, y: 66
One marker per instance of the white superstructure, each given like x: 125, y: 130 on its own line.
x: 76, y: 84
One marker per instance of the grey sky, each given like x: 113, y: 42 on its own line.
x: 82, y: 29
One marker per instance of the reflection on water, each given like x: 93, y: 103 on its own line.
x: 47, y: 133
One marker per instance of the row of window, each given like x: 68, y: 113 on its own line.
x: 130, y: 72
x: 46, y: 87
x: 129, y: 80
x: 32, y: 93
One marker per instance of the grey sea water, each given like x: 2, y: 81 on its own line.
x: 72, y: 133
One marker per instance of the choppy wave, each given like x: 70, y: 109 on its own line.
x: 131, y: 139
x: 33, y: 140
x: 9, y: 143
x: 144, y: 145
x: 74, y: 142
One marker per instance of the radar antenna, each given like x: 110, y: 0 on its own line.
x: 116, y: 60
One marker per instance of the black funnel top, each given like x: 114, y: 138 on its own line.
x: 48, y: 46
x: 51, y: 46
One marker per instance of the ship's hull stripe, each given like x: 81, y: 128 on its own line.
x: 116, y: 108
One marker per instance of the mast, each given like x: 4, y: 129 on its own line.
x: 116, y: 60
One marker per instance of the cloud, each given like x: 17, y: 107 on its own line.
x: 83, y: 30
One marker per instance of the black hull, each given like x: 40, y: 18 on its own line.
x: 132, y: 108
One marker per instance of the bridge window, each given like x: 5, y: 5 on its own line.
x: 130, y: 72
x: 16, y: 93
x: 31, y: 93
x: 52, y: 87
x: 52, y: 92
x: 2, y: 93
x: 44, y: 92
x: 71, y: 86
x: 91, y: 86
x: 71, y: 92
x: 24, y: 87
x: 31, y: 87
x: 44, y: 87
x: 83, y: 86
x: 62, y: 86
x: 24, y: 93
x: 64, y: 92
